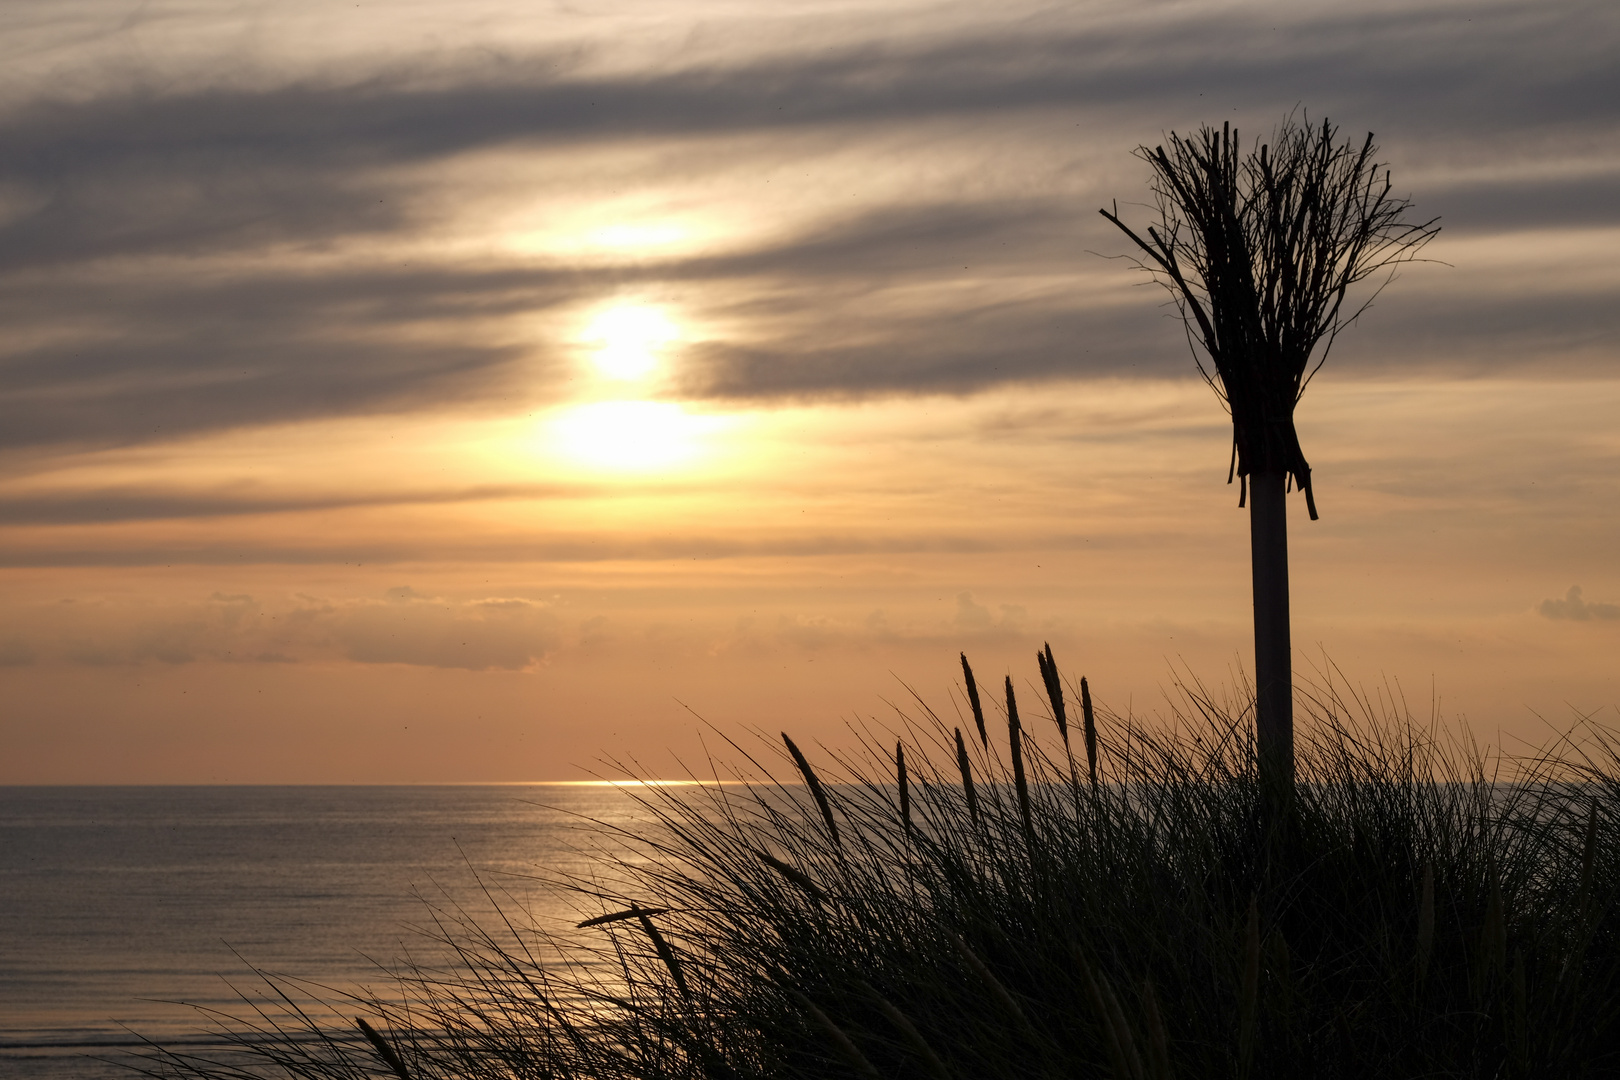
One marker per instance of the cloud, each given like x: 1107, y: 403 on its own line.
x: 975, y: 618
x: 1536, y: 201
x: 402, y: 627
x: 403, y: 111
x: 1573, y: 607
x: 101, y: 505
x: 409, y: 628
x: 190, y: 250
x: 157, y: 358
x: 561, y: 546
x: 810, y: 633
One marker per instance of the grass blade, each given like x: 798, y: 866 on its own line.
x: 997, y: 990
x: 1054, y: 690
x: 973, y: 700
x: 1015, y: 741
x: 384, y: 1051
x: 814, y: 784
x: 1249, y: 993
x: 1114, y: 1040
x: 967, y: 778
x: 1425, y: 934
x: 793, y: 874
x: 667, y: 955
x: 1090, y: 722
x: 1588, y: 855
x: 1158, y: 1038
x: 620, y: 916
x: 909, y: 1032
x: 905, y: 791
x: 841, y: 1043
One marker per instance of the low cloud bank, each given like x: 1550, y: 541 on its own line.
x: 402, y: 627
x: 1573, y: 607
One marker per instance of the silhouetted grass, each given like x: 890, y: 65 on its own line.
x: 1420, y: 909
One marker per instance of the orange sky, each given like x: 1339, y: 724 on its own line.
x: 469, y: 397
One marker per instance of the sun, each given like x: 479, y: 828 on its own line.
x: 628, y: 339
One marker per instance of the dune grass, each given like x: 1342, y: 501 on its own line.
x: 1056, y: 891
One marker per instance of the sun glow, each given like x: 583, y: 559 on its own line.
x: 628, y: 339
x: 638, y: 237
x: 632, y: 436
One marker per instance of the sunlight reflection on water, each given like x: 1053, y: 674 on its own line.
x: 122, y: 902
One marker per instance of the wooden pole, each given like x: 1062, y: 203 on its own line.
x: 1273, y: 660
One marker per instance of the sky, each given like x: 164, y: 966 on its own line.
x: 441, y: 392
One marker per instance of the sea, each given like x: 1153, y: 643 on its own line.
x: 136, y: 915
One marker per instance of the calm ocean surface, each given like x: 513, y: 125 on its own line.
x: 116, y: 903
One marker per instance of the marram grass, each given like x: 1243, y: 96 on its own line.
x: 1418, y: 909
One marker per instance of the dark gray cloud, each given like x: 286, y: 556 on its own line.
x: 1531, y: 331
x: 144, y: 234
x: 81, y: 399
x: 163, y: 358
x: 143, y: 356
x: 957, y: 350
x: 134, y: 504
x: 1532, y: 203
x: 1508, y: 65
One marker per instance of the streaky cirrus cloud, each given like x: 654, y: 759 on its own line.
x: 193, y: 250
